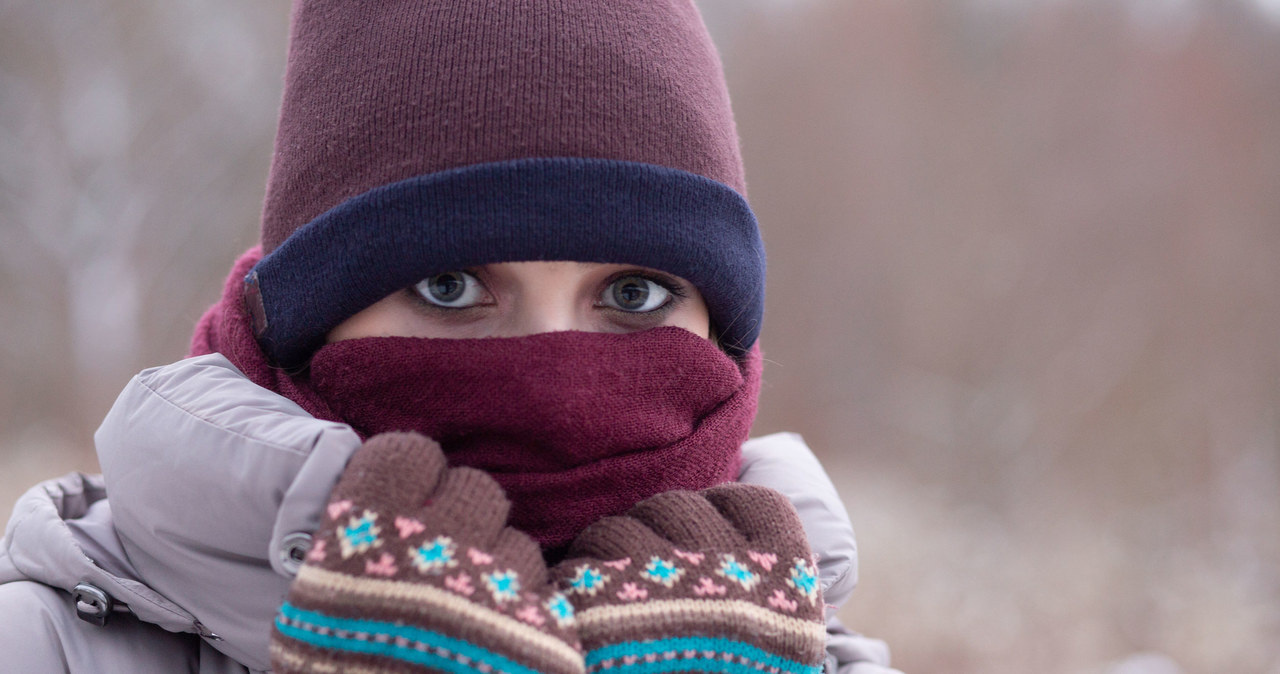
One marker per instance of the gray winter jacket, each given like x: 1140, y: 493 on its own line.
x: 215, y: 486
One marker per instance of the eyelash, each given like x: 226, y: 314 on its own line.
x: 669, y: 284
x: 675, y: 288
x: 442, y: 310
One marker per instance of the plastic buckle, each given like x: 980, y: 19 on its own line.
x: 92, y: 604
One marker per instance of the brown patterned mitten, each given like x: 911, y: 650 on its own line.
x: 415, y: 570
x: 720, y: 580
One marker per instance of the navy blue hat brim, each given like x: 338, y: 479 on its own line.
x: 585, y: 210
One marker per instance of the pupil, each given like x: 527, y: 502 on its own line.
x: 631, y: 294
x: 446, y: 287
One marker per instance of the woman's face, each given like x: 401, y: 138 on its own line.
x: 511, y: 299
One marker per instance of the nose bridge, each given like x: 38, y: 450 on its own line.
x: 542, y: 315
x: 546, y: 302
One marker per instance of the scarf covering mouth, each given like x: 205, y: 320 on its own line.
x: 575, y: 426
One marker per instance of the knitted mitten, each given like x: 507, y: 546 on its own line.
x: 414, y: 570
x: 720, y: 580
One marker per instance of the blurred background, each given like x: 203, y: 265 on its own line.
x: 1023, y: 288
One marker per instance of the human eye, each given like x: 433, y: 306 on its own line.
x: 452, y: 290
x: 638, y: 294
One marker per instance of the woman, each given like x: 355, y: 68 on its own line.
x: 517, y: 230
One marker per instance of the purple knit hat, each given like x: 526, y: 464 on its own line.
x: 418, y: 137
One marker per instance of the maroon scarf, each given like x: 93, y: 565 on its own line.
x: 575, y: 426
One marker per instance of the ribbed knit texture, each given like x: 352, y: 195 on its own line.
x: 533, y: 209
x: 415, y: 570
x: 380, y: 91
x: 574, y: 425
x: 718, y: 580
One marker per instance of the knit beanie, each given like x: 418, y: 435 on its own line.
x: 418, y: 137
